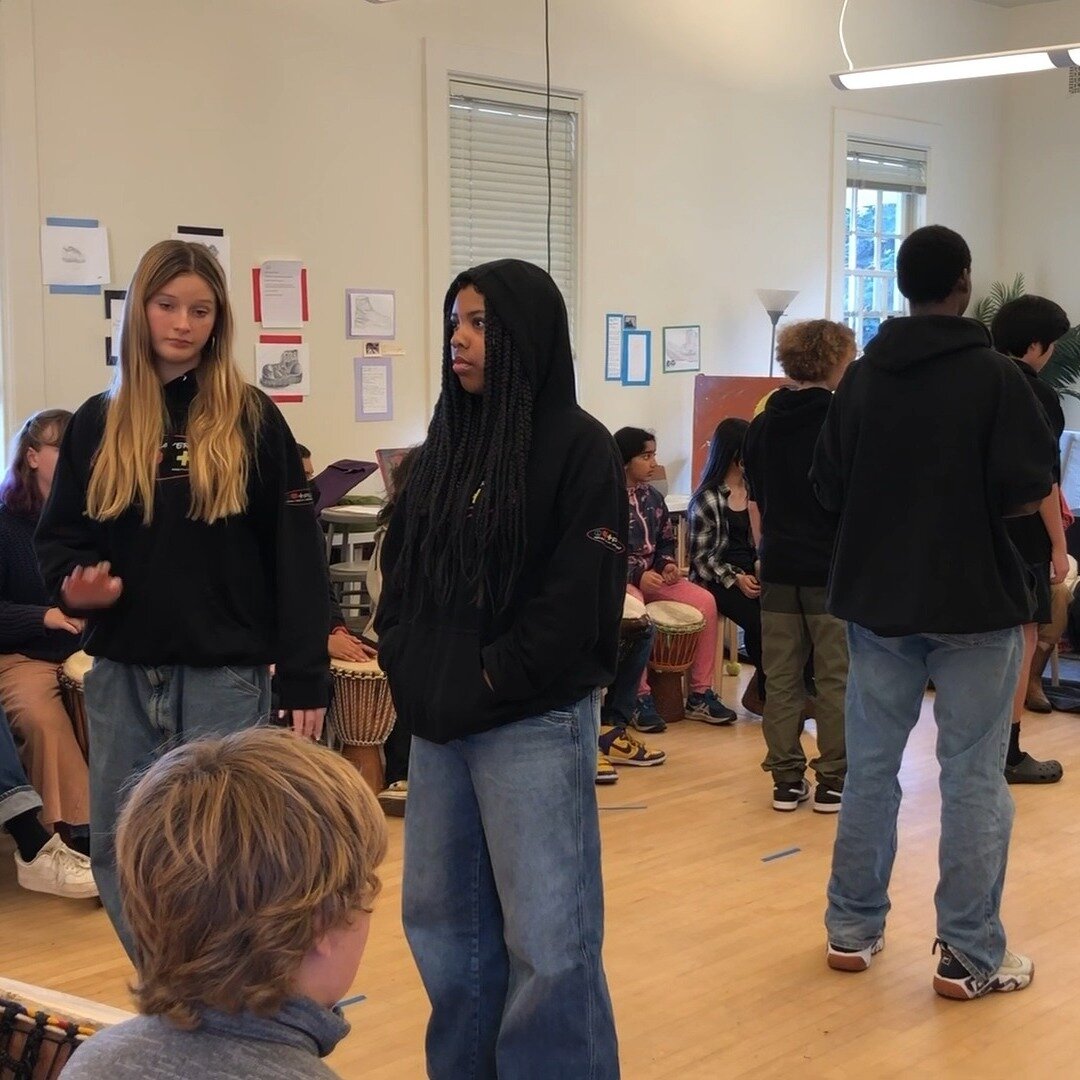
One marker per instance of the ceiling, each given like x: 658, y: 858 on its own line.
x: 1012, y: 3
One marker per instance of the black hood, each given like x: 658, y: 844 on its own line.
x: 914, y: 339
x: 790, y: 409
x: 530, y: 306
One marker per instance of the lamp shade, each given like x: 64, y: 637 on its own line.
x: 776, y: 301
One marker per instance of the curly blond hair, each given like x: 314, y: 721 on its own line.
x: 236, y: 855
x: 810, y: 351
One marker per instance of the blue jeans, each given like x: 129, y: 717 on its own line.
x: 974, y: 680
x: 16, y: 794
x: 621, y: 700
x: 503, y: 902
x: 134, y: 715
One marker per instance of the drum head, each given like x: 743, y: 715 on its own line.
x: 632, y: 607
x: 353, y: 669
x: 77, y: 665
x: 673, y: 614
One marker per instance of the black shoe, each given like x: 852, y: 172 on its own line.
x: 786, y: 795
x: 1028, y: 770
x: 826, y: 800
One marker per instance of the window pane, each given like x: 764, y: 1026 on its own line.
x: 868, y: 294
x: 888, y: 255
x: 864, y: 253
x: 870, y: 327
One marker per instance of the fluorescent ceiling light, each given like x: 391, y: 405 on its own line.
x: 960, y: 67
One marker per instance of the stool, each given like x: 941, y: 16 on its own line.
x: 343, y: 525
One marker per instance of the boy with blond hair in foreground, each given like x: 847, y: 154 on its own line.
x: 247, y: 869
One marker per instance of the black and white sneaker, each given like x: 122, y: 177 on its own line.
x: 826, y: 800
x: 786, y: 795
x: 953, y: 980
x: 841, y: 959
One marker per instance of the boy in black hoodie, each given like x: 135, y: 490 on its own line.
x: 920, y: 458
x: 795, y: 541
x: 504, y: 575
x: 1026, y: 330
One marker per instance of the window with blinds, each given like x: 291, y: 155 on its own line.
x: 885, y: 201
x: 499, y: 180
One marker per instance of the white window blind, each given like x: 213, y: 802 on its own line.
x: 499, y: 180
x: 874, y: 167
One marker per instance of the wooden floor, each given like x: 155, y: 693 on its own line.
x: 715, y: 958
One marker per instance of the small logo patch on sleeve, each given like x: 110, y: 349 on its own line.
x: 299, y: 497
x: 606, y: 538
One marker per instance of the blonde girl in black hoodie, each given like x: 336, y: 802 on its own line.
x: 181, y: 527
x: 504, y: 573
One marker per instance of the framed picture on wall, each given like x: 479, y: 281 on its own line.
x: 636, y: 357
x: 682, y: 348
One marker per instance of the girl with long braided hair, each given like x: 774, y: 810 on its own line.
x: 504, y: 568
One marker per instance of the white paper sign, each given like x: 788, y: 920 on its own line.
x: 218, y: 245
x: 281, y: 293
x: 74, y: 256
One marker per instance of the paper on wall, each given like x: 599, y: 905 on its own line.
x: 74, y: 256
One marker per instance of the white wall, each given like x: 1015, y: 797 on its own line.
x: 300, y: 126
x: 1041, y: 205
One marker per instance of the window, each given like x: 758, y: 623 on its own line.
x: 499, y: 180
x: 885, y: 201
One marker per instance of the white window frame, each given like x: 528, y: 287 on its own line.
x: 911, y: 206
x: 851, y: 125
x: 444, y: 61
x: 490, y: 95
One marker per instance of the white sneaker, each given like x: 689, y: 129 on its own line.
x: 58, y: 870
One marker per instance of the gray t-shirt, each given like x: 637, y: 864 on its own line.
x: 283, y: 1047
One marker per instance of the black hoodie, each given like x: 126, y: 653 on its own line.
x: 931, y: 440
x: 248, y: 590
x: 797, y: 533
x: 558, y: 640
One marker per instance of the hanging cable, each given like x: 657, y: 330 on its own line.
x: 843, y: 43
x: 547, y: 122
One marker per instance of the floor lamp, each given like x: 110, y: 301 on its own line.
x: 775, y: 302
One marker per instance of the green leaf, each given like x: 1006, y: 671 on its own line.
x: 1063, y: 370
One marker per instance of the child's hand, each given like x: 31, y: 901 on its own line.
x: 749, y: 585
x: 55, y: 619
x: 88, y: 588
x: 306, y: 723
x: 670, y: 574
x: 651, y: 580
x: 347, y: 647
x: 1059, y: 566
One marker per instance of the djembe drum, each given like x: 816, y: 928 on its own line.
x: 361, y: 715
x: 70, y: 676
x: 678, y: 629
x: 40, y: 1029
x: 635, y: 624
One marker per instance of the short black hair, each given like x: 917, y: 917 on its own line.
x: 631, y: 442
x: 1025, y: 321
x: 303, y: 450
x: 930, y: 263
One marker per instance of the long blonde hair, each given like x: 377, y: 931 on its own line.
x: 224, y: 415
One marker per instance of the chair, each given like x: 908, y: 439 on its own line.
x: 346, y: 526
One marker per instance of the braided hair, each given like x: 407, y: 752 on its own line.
x: 464, y: 533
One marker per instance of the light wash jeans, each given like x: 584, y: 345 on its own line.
x: 974, y: 679
x: 503, y: 902
x: 134, y: 715
x: 16, y: 794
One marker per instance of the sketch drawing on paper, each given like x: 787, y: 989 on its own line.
x: 370, y: 313
x: 287, y: 371
x: 682, y: 348
x: 69, y: 253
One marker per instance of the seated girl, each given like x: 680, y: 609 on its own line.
x: 654, y: 575
x: 722, y: 552
x: 35, y: 638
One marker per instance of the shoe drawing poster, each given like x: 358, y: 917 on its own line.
x: 282, y: 366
